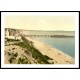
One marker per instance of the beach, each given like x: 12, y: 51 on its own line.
x: 58, y: 56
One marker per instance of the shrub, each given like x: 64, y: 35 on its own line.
x: 13, y: 48
x: 22, y: 61
x: 9, y: 53
x: 16, y: 54
x: 10, y: 60
x: 47, y: 57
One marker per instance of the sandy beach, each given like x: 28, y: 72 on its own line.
x: 58, y: 56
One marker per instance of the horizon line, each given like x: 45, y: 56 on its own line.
x: 40, y: 30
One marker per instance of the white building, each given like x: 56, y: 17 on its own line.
x: 12, y: 34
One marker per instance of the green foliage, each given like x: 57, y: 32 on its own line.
x: 9, y: 53
x: 11, y: 39
x: 13, y: 48
x: 35, y: 53
x: 48, y: 57
x: 16, y: 54
x: 10, y: 60
x: 22, y: 60
x: 12, y: 57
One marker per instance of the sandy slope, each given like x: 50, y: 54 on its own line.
x: 19, y: 50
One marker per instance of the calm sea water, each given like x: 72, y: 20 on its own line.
x: 66, y: 45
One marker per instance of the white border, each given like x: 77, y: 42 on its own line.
x: 39, y: 13
x: 76, y: 14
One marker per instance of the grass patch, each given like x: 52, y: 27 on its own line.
x: 12, y: 40
x: 12, y: 57
x: 35, y: 53
x: 23, y: 60
x: 48, y: 57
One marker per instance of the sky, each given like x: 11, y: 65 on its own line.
x: 66, y: 23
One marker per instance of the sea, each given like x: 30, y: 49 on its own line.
x: 64, y: 44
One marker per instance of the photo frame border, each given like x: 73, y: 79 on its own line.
x: 37, y: 67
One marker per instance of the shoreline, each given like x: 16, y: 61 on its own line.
x: 58, y: 56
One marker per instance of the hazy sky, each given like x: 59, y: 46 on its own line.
x: 41, y: 22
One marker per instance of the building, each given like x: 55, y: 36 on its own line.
x: 12, y: 34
